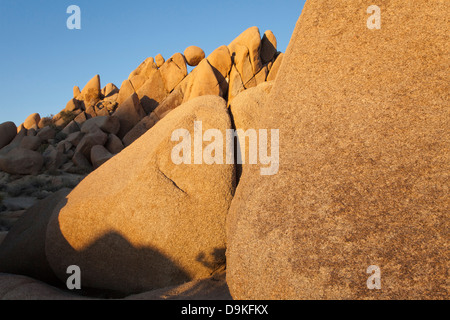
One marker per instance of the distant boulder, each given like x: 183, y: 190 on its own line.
x: 194, y: 55
x: 21, y: 161
x: 8, y: 131
x: 32, y: 121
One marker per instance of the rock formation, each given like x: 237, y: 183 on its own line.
x: 154, y: 89
x: 363, y: 121
x: 141, y: 212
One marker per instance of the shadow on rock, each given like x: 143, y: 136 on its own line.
x: 111, y: 267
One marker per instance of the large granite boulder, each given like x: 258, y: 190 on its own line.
x: 142, y: 222
x: 363, y: 181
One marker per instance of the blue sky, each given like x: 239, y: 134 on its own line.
x: 41, y: 60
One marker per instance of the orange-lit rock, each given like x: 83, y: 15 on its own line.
x: 173, y: 71
x: 140, y: 222
x: 363, y: 178
x: 32, y: 121
x: 194, y: 55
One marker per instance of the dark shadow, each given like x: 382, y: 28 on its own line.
x: 23, y: 250
x: 213, y: 261
x: 113, y: 92
x: 215, y: 288
x: 114, y: 268
x: 237, y: 148
x: 149, y: 104
x: 111, y: 267
x: 233, y: 58
x: 268, y: 48
x: 212, y: 288
x: 81, y: 105
x: 222, y: 82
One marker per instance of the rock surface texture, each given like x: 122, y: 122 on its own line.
x: 363, y: 118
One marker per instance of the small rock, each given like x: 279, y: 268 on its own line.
x: 268, y: 46
x: 46, y: 133
x: 68, y: 166
x: 75, y: 138
x: 202, y: 82
x: 194, y: 55
x: 145, y: 69
x: 99, y: 155
x: 138, y: 130
x: 129, y: 114
x: 53, y: 158
x: 72, y: 105
x: 220, y: 61
x: 137, y: 81
x: 32, y: 121
x: 19, y: 203
x: 152, y: 92
x: 31, y: 143
x: 81, y: 162
x: 126, y: 90
x: 22, y: 161
x: 76, y: 91
x: 250, y: 39
x: 159, y: 60
x: 109, y: 90
x: 46, y: 121
x: 81, y: 118
x: 92, y: 90
x: 114, y: 144
x: 173, y: 71
x: 97, y: 137
x: 105, y: 123
x: 8, y: 131
x: 71, y: 128
x: 174, y: 100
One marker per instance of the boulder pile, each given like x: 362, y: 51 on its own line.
x: 66, y: 140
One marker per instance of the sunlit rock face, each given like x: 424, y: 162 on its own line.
x: 363, y: 118
x: 141, y: 221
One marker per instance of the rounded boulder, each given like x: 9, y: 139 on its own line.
x: 194, y: 55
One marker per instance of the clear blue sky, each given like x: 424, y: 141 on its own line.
x: 41, y: 60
